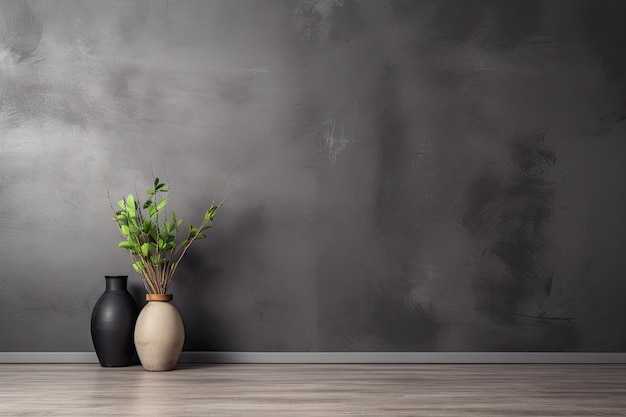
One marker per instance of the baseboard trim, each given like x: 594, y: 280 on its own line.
x: 341, y: 357
x: 48, y: 357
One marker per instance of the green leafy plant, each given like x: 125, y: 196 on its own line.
x: 153, y: 236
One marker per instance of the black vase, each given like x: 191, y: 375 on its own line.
x: 113, y: 323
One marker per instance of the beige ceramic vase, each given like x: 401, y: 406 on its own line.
x: 159, y: 333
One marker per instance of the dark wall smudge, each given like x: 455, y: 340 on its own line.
x: 22, y: 29
x: 513, y: 215
x: 510, y: 218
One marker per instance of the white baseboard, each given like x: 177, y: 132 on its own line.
x: 339, y: 357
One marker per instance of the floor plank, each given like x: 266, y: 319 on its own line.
x: 314, y: 390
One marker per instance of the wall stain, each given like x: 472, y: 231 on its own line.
x: 332, y: 138
x: 23, y: 29
x: 510, y: 217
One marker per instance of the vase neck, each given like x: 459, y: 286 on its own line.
x: 116, y: 283
x: 159, y: 297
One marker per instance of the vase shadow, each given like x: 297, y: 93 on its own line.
x: 203, y: 292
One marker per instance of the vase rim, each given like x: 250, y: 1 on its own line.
x: 159, y: 297
x: 116, y: 276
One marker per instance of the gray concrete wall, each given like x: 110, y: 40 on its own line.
x: 404, y: 175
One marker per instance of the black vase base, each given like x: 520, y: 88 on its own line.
x: 106, y: 365
x: 121, y: 361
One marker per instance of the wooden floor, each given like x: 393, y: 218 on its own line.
x: 314, y: 390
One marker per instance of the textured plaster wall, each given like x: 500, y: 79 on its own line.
x: 404, y: 175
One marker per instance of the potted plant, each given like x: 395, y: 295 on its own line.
x: 153, y: 238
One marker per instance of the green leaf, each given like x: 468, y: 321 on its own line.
x: 153, y: 234
x: 150, y: 191
x: 130, y: 202
x: 146, y: 225
x: 164, y: 189
x: 138, y: 266
x: 200, y: 236
x: 125, y: 245
x: 122, y: 204
x: 208, y: 226
x: 152, y: 211
x: 156, y: 181
x: 178, y: 223
x: 125, y: 230
x: 184, y: 242
x: 147, y: 204
x: 145, y: 249
x: 161, y: 204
